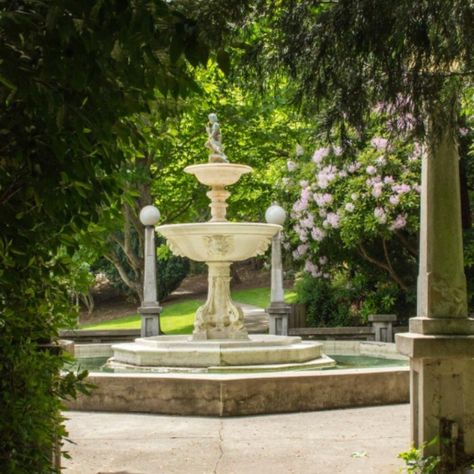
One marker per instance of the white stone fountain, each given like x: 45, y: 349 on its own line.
x: 220, y: 338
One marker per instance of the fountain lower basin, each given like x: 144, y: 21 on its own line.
x: 258, y: 350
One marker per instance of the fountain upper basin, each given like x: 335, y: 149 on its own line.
x: 218, y: 241
x: 218, y: 174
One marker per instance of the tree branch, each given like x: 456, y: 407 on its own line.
x: 404, y: 241
x: 180, y: 211
x: 383, y: 266
x: 133, y: 285
x: 392, y: 272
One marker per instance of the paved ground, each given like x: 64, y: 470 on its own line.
x: 362, y: 440
x: 255, y: 319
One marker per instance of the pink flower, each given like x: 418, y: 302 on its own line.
x: 300, y: 206
x: 417, y: 188
x: 337, y: 150
x: 332, y: 219
x: 353, y: 167
x: 394, y: 199
x: 304, y: 183
x: 388, y: 180
x: 373, y: 181
x: 379, y: 107
x: 379, y: 213
x: 306, y: 194
x: 291, y: 166
x: 302, y: 249
x: 401, y: 188
x: 463, y: 131
x: 371, y: 170
x: 381, y: 161
x: 379, y: 143
x: 303, y: 235
x: 323, y: 260
x: 326, y: 175
x: 299, y: 150
x: 318, y: 234
x: 417, y: 152
x: 399, y: 222
x: 349, y: 207
x: 308, y: 222
x: 310, y: 267
x: 377, y: 190
x: 342, y: 174
x: 320, y: 154
x: 322, y: 200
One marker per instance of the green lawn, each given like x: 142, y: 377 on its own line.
x: 178, y: 318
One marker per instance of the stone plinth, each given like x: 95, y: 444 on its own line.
x: 150, y: 320
x: 383, y: 326
x: 441, y: 388
x: 278, y: 315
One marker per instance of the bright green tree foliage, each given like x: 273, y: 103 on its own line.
x: 256, y: 131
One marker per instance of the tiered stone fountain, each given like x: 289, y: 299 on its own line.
x: 219, y: 339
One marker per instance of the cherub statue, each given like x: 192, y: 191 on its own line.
x: 214, y: 141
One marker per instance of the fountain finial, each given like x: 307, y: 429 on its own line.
x: 214, y: 141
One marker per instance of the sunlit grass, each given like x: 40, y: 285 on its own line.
x: 178, y: 318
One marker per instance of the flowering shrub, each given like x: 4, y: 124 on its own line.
x: 357, y: 210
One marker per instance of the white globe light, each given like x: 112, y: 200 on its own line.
x: 275, y: 215
x: 149, y: 215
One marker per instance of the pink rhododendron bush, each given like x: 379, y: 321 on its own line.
x: 354, y: 223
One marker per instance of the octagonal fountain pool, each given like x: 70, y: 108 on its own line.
x: 366, y: 373
x: 220, y: 369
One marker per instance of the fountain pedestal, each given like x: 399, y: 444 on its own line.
x: 219, y: 317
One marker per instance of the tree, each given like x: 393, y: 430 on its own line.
x: 355, y: 221
x: 256, y: 131
x: 349, y: 55
x: 412, y: 60
x: 70, y: 72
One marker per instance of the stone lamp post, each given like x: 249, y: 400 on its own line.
x: 150, y: 309
x: 278, y: 311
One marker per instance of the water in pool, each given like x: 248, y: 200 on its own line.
x: 97, y: 364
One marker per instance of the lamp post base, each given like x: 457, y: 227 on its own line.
x: 278, y: 316
x: 150, y: 321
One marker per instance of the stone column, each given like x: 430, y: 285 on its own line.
x: 218, y: 196
x: 278, y: 311
x: 150, y: 309
x: 219, y: 317
x: 440, y: 343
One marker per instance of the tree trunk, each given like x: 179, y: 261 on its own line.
x: 130, y: 242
